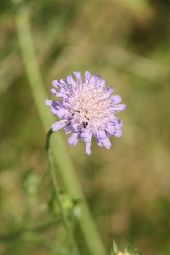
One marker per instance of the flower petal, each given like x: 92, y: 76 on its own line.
x: 101, y: 134
x: 109, y: 91
x: 88, y: 148
x: 53, y: 110
x: 106, y: 142
x: 99, y: 142
x: 78, y: 77
x: 48, y: 102
x: 56, y: 84
x: 92, y: 81
x: 71, y: 81
x: 73, y: 139
x: 87, y: 75
x: 118, y: 133
x: 68, y: 128
x: 58, y: 125
x: 58, y: 94
x: 86, y: 136
x: 119, y: 107
x: 102, y: 83
x: 62, y: 113
x: 116, y: 99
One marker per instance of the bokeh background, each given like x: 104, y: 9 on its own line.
x: 128, y: 187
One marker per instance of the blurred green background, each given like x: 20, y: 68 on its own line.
x: 127, y: 42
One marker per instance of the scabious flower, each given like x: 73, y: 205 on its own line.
x: 86, y: 108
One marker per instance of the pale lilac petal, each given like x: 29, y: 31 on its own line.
x: 109, y: 91
x: 114, y: 128
x: 56, y: 104
x: 66, y: 104
x: 118, y: 133
x: 58, y: 125
x: 68, y: 128
x: 88, y: 148
x: 61, y: 95
x: 73, y: 139
x: 99, y: 142
x: 86, y: 136
x: 75, y: 126
x: 110, y: 129
x: 61, y: 113
x: 106, y: 142
x: 102, y: 83
x: 62, y: 81
x: 48, y: 102
x: 58, y: 94
x: 119, y: 107
x: 107, y: 94
x: 54, y: 111
x: 63, y: 90
x: 56, y: 83
x: 101, y: 134
x: 92, y: 81
x: 118, y: 124
x: 97, y: 80
x: 78, y: 77
x: 116, y: 99
x: 87, y: 75
x: 70, y: 79
x: 53, y: 91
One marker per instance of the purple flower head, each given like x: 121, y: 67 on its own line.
x: 86, y: 108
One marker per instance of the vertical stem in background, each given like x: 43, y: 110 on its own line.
x: 61, y: 156
x: 66, y: 223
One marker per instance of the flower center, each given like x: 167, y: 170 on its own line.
x: 91, y: 108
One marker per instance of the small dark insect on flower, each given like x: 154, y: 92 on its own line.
x: 86, y: 109
x: 85, y: 123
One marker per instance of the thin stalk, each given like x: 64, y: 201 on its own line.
x: 41, y: 241
x: 64, y: 217
x: 37, y: 228
x: 71, y: 182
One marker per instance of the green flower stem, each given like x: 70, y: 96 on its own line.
x: 73, y: 246
x: 61, y: 156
